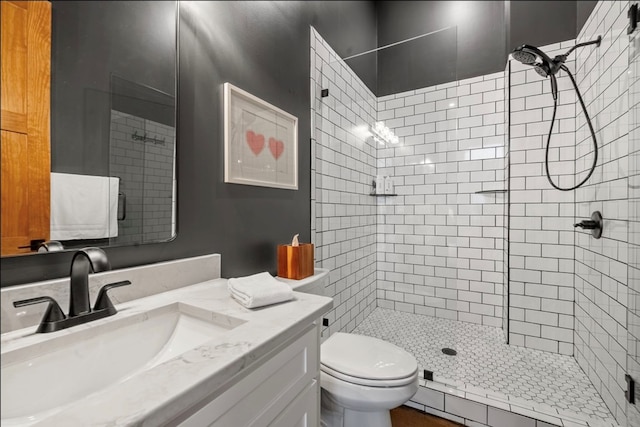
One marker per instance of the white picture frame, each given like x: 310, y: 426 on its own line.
x: 260, y: 142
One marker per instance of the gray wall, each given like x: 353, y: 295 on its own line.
x: 262, y: 47
x: 487, y: 31
x: 541, y: 23
x: 583, y: 10
x: 478, y: 45
x: 126, y: 39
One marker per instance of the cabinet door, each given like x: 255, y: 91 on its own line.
x: 257, y: 399
x: 302, y: 412
x: 25, y: 102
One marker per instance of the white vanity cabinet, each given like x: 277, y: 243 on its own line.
x: 281, y: 389
x: 211, y: 361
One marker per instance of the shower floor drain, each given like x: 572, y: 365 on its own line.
x: 449, y: 351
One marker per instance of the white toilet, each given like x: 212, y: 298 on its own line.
x: 362, y: 378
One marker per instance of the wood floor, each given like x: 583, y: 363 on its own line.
x: 405, y: 416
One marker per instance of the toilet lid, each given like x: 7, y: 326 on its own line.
x: 369, y: 382
x: 366, y: 357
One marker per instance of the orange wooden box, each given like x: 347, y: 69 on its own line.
x: 295, y: 262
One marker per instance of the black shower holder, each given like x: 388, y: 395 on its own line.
x: 634, y: 18
x: 594, y: 224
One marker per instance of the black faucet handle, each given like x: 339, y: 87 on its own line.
x: 587, y: 224
x: 103, y: 302
x: 53, y: 312
x: 595, y: 224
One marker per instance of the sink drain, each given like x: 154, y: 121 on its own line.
x: 449, y: 351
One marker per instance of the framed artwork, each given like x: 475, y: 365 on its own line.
x: 260, y: 142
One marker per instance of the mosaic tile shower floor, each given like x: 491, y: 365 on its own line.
x: 484, y: 361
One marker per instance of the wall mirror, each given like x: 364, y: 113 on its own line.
x: 88, y: 124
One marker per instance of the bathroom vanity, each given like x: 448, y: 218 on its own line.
x: 281, y: 389
x: 189, y: 356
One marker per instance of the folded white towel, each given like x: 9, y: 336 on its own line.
x: 258, y: 290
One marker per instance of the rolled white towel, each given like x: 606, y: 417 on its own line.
x: 259, y: 290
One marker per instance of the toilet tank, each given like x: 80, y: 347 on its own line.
x: 315, y: 284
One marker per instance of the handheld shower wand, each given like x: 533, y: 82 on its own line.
x: 547, y: 67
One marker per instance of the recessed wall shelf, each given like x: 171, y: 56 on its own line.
x: 491, y: 191
x: 382, y: 195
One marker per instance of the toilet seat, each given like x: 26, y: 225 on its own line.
x: 369, y: 382
x: 367, y: 361
x: 364, y: 398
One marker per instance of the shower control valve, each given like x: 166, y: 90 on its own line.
x: 594, y: 224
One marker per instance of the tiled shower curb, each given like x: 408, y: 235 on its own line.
x: 475, y: 407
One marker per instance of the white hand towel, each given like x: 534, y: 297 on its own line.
x: 83, y: 206
x: 259, y: 290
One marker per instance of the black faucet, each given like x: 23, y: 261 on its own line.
x: 85, y: 261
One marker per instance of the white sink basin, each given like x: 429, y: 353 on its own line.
x: 41, y: 379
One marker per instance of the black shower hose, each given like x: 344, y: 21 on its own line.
x: 593, y: 136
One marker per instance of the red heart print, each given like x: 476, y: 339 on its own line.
x: 276, y: 146
x: 255, y: 142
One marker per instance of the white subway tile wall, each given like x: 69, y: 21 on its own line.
x: 342, y: 167
x: 541, y: 232
x: 440, y: 242
x: 601, y: 274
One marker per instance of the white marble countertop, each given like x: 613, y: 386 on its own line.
x: 311, y: 285
x: 160, y: 394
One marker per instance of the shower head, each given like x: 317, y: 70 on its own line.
x: 524, y: 54
x: 541, y: 62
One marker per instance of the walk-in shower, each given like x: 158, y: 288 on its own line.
x: 474, y: 248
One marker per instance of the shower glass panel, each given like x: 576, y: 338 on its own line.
x: 343, y: 162
x: 142, y: 138
x: 437, y: 231
x: 633, y: 317
x: 566, y: 312
x: 142, y: 149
